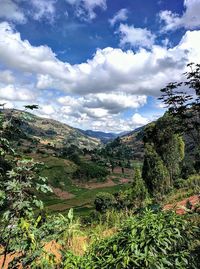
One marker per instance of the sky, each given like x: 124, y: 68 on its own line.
x: 95, y: 64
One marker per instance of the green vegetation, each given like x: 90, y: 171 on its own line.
x: 22, y: 231
x: 104, y: 201
x: 122, y: 226
x: 150, y: 240
x: 89, y: 170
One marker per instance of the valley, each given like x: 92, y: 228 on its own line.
x: 99, y: 134
x: 62, y: 149
x: 61, y: 186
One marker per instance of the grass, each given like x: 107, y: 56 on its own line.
x: 59, y: 173
x: 83, y: 200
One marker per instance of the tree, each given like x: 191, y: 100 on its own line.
x: 2, y: 105
x: 167, y: 143
x: 104, y: 201
x: 138, y: 189
x: 31, y: 107
x: 183, y: 101
x: 23, y: 232
x: 154, y: 172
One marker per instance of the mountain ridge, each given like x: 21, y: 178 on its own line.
x: 48, y: 134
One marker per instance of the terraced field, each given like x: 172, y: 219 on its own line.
x: 70, y: 193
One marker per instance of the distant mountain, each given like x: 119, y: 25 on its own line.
x: 130, y: 144
x: 46, y: 135
x: 104, y: 137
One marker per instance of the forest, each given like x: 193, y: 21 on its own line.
x: 152, y: 221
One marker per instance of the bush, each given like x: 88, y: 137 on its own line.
x: 104, y: 201
x: 192, y: 183
x: 87, y: 171
x: 152, y: 240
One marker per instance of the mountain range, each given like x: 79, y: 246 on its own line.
x: 42, y: 135
x: 102, y: 136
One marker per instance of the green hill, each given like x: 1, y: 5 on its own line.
x: 46, y: 135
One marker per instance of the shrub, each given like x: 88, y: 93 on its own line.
x: 87, y: 171
x: 104, y: 201
x: 152, y: 240
x: 192, y: 183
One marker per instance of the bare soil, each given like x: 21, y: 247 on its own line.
x: 179, y: 207
x: 62, y: 194
x: 97, y: 185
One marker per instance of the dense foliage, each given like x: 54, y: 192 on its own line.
x: 139, y: 237
x: 164, y: 153
x: 89, y: 170
x: 24, y: 227
x: 183, y: 101
x: 150, y: 240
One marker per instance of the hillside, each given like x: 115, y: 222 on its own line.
x: 131, y: 145
x: 46, y: 135
x: 102, y: 136
x: 127, y: 147
x: 66, y: 154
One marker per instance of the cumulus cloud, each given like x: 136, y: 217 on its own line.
x: 139, y: 120
x: 135, y: 37
x: 114, y: 103
x: 90, y: 118
x: 85, y: 9
x: 98, y: 105
x: 121, y: 15
x: 10, y: 11
x: 95, y: 93
x: 43, y: 9
x: 19, y: 54
x: 190, y: 19
x: 110, y: 70
x: 6, y: 76
x: 47, y: 110
x: 13, y: 93
x: 116, y: 124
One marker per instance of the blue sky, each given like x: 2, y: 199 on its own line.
x: 95, y: 64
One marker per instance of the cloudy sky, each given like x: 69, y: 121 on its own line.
x: 95, y: 64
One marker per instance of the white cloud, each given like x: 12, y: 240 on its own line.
x: 43, y: 9
x: 11, y: 12
x: 95, y: 119
x: 47, y: 109
x: 6, y: 76
x: 109, y: 71
x: 96, y: 93
x: 139, y: 120
x: 135, y: 37
x: 190, y: 19
x: 22, y: 56
x: 85, y: 9
x: 114, y: 102
x: 13, y: 93
x: 121, y: 15
x: 98, y: 105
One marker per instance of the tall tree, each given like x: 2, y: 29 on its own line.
x: 167, y: 144
x: 183, y: 101
x: 154, y: 172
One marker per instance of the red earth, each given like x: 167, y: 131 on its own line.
x: 179, y: 207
